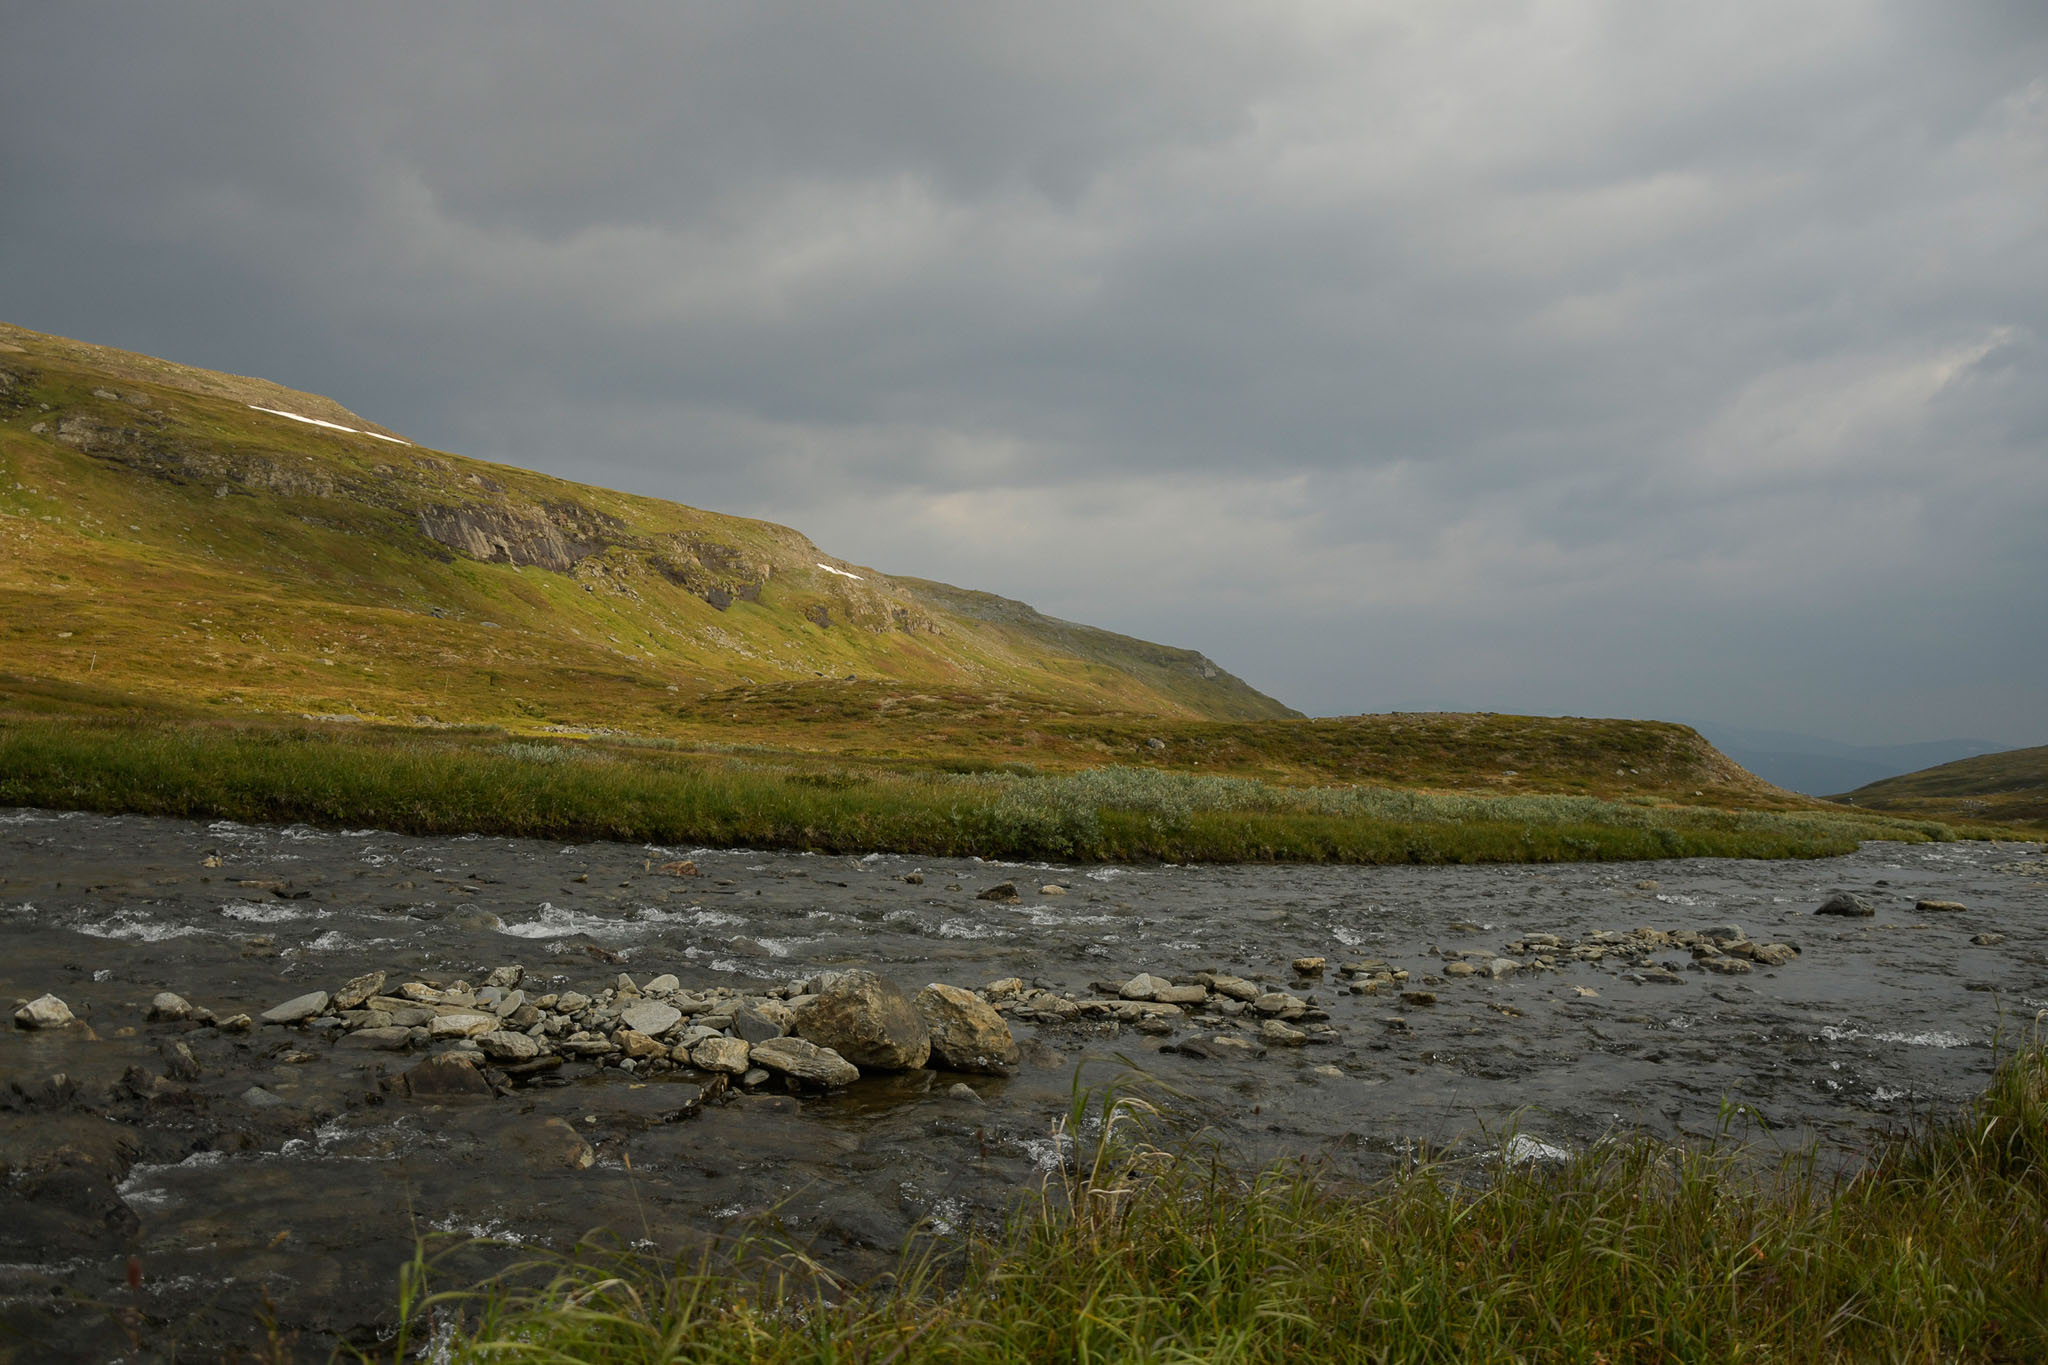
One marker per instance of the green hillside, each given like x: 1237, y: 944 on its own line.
x: 173, y: 533
x: 2008, y: 788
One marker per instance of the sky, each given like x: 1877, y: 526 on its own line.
x: 1640, y: 359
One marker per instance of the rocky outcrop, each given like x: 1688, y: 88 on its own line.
x: 558, y: 536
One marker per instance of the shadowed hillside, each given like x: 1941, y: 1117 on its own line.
x: 2010, y: 788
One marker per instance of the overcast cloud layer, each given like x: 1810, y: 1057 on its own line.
x: 1625, y: 359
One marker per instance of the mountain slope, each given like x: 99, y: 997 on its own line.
x: 204, y: 537
x: 2010, y: 787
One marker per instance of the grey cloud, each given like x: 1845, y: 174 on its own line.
x: 1619, y: 355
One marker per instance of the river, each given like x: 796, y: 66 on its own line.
x: 286, y: 1168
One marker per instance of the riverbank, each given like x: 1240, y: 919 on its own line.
x: 463, y: 782
x: 1632, y: 1251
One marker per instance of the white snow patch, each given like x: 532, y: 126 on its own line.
x: 841, y: 572
x: 331, y: 426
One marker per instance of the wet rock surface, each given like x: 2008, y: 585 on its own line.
x: 484, y: 1033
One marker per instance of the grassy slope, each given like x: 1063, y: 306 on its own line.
x: 162, y: 538
x: 171, y: 557
x: 2011, y: 788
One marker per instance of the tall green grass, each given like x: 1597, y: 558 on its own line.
x: 452, y: 784
x: 1633, y: 1251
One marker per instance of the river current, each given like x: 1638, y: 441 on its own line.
x: 288, y: 1170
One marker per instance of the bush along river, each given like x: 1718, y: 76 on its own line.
x: 250, y: 1068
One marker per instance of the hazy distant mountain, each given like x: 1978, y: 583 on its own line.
x: 1815, y: 766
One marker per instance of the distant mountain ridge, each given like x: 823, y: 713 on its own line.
x: 1815, y: 766
x: 182, y: 532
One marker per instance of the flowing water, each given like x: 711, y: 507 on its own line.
x: 288, y: 1172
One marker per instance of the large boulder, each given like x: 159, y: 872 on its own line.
x: 867, y: 1021
x: 805, y: 1062
x: 967, y: 1035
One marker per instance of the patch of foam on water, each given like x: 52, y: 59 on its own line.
x: 126, y: 924
x: 335, y: 941
x: 713, y: 919
x: 1932, y: 1038
x: 484, y: 1229
x: 1884, y: 1094
x: 1523, y: 1150
x: 946, y: 1216
x: 1349, y: 938
x: 960, y: 928
x: 260, y: 912
x: 555, y: 922
x: 25, y: 817
x: 1048, y: 1153
x: 1677, y: 898
x: 1104, y: 874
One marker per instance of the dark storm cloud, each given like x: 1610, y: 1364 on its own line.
x: 1621, y: 357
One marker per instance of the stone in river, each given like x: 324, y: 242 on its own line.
x: 1724, y: 966
x: 382, y: 1039
x: 1724, y: 934
x: 1774, y: 954
x: 1182, y: 995
x: 1941, y: 907
x: 44, y: 1011
x: 867, y: 1022
x: 651, y: 1017
x: 506, y: 977
x: 805, y: 1061
x: 461, y: 1025
x: 1236, y: 987
x: 168, y: 1007
x: 1278, y: 1002
x: 665, y: 984
x: 352, y: 996
x: 1001, y: 891
x: 1052, y: 889
x: 504, y: 1046
x: 1418, y: 997
x: 1144, y: 986
x: 729, y: 1055
x: 1502, y: 967
x: 1845, y: 903
x: 1221, y: 1047
x: 552, y: 1142
x: 1457, y: 969
x: 638, y: 1044
x: 236, y: 1023
x: 1987, y: 940
x: 1309, y: 966
x: 446, y: 1075
x: 1273, y: 1031
x: 297, y: 1010
x: 755, y: 1025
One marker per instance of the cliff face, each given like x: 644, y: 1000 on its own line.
x: 134, y: 488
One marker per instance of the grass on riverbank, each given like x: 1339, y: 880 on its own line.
x: 458, y: 782
x: 1635, y: 1251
